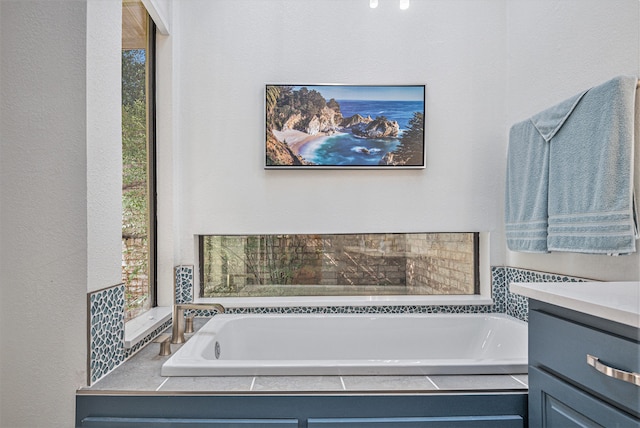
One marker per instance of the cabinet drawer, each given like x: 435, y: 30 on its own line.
x: 506, y: 421
x: 562, y: 347
x: 111, y: 422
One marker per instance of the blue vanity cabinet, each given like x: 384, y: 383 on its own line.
x: 565, y: 389
x: 555, y: 403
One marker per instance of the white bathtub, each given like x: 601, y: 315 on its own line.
x: 353, y: 344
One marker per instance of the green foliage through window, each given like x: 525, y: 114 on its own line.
x: 138, y: 266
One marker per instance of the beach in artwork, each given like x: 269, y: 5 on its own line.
x: 313, y: 128
x: 298, y: 140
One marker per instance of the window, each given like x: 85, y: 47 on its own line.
x: 339, y: 265
x: 138, y: 159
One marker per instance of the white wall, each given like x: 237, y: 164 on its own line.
x: 104, y: 144
x: 230, y: 48
x: 167, y: 108
x: 557, y: 48
x: 486, y: 64
x: 43, y: 257
x: 59, y: 197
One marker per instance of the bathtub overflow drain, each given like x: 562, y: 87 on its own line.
x: 217, y: 350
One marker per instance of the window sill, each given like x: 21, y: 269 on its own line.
x: 137, y: 329
x: 268, y: 302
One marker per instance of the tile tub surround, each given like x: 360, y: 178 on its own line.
x: 141, y: 373
x: 106, y: 349
x: 107, y: 324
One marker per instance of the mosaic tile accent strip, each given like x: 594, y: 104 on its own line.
x: 106, y: 331
x: 499, y: 289
x: 184, y: 284
x: 184, y: 292
x: 518, y: 306
x: 106, y: 336
x: 426, y: 309
x: 504, y: 302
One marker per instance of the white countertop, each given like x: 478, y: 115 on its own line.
x: 615, y: 301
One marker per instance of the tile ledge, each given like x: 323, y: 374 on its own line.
x: 137, y: 329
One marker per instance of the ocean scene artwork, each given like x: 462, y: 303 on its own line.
x: 344, y: 126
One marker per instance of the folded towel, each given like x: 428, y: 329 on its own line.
x: 526, y: 189
x: 591, y: 199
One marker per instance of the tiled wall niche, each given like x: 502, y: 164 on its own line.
x: 106, y: 312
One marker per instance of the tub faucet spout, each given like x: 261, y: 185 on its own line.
x: 177, y: 327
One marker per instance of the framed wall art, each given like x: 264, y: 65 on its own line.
x: 344, y: 126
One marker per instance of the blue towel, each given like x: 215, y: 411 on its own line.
x: 569, y: 180
x: 591, y: 196
x: 527, y: 189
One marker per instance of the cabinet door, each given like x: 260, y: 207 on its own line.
x: 507, y: 421
x: 549, y: 334
x: 106, y: 422
x: 556, y: 404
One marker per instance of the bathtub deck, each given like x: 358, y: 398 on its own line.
x: 141, y: 373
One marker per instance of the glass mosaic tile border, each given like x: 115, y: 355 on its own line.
x: 106, y: 331
x: 185, y: 290
x: 518, y: 306
x: 183, y: 284
x: 501, y: 277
